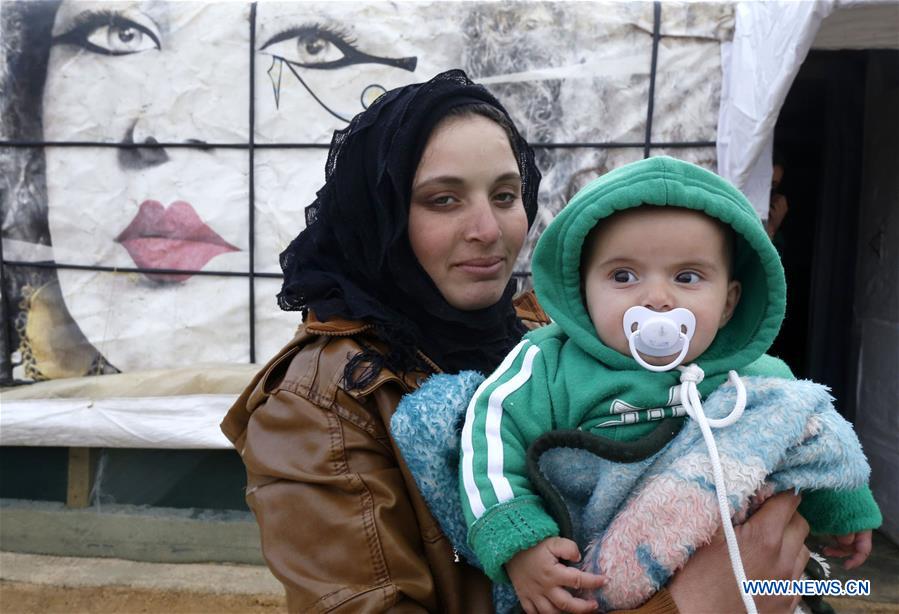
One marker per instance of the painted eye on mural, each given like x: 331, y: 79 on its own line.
x: 313, y: 47
x: 109, y: 33
x: 324, y: 48
x: 320, y: 47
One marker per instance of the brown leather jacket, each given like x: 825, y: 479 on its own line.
x: 343, y: 525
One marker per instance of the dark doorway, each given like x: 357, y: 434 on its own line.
x: 820, y: 136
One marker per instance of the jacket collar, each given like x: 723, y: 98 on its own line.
x: 338, y: 327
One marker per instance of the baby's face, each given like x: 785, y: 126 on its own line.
x: 661, y: 258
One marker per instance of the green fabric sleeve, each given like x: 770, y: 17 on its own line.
x: 768, y: 366
x: 506, y: 529
x: 840, y: 512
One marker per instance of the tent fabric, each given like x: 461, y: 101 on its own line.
x: 177, y: 422
x: 861, y: 25
x: 771, y: 40
x: 162, y: 408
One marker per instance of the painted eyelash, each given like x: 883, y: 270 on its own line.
x: 89, y: 19
x: 335, y: 31
x: 96, y: 16
x: 101, y: 17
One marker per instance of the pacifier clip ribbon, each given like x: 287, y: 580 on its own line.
x: 691, y: 376
x: 666, y: 333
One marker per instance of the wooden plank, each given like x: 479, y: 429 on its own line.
x: 133, y: 532
x: 81, y: 477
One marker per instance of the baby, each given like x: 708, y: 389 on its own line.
x: 658, y: 264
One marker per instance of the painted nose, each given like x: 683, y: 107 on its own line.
x: 483, y: 225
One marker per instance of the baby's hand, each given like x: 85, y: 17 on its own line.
x: 856, y: 544
x: 540, y: 578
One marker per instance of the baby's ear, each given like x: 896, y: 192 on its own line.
x: 734, y: 289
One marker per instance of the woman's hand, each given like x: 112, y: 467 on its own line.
x: 540, y: 578
x: 772, y: 546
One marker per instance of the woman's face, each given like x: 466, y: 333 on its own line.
x: 467, y: 221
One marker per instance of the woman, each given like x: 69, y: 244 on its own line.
x: 404, y: 270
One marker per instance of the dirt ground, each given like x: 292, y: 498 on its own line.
x: 19, y: 597
x: 22, y: 598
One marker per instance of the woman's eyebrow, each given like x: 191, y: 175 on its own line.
x: 510, y: 176
x: 441, y: 179
x: 453, y: 180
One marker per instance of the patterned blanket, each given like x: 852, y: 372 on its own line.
x: 638, y: 522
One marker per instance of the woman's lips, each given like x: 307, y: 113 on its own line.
x: 173, y: 238
x: 483, y: 268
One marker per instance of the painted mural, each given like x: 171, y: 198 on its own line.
x: 138, y: 137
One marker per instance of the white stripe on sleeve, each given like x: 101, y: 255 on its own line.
x: 471, y: 488
x: 501, y: 485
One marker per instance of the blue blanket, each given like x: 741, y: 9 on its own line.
x: 639, y: 522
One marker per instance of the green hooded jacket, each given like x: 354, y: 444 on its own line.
x: 563, y: 377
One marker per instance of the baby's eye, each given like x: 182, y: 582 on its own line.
x: 622, y: 276
x: 687, y: 277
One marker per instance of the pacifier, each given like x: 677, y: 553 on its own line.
x: 659, y: 333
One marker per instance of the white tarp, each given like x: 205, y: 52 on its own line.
x: 162, y: 408
x: 178, y: 422
x: 771, y: 40
x: 861, y: 25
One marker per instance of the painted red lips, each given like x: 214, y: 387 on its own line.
x: 171, y: 238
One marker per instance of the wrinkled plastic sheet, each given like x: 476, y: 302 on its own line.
x: 771, y: 40
x: 175, y: 422
x: 160, y: 408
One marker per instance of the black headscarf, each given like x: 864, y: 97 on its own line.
x: 354, y: 259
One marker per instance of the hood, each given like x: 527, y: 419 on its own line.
x: 664, y: 181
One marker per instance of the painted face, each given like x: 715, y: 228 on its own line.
x: 467, y: 222
x: 661, y: 258
x: 164, y: 72
x: 173, y: 208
